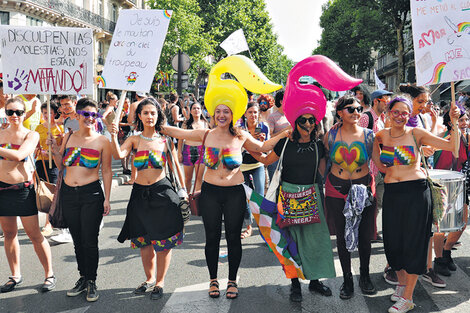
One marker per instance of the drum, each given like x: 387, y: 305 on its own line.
x: 455, y: 183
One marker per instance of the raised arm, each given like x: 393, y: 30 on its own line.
x: 251, y: 144
x: 120, y: 152
x: 27, y: 148
x: 188, y: 134
x: 427, y: 138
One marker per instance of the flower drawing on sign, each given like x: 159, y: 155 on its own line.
x: 18, y: 81
x: 132, y: 77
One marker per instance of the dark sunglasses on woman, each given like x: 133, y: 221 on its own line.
x: 303, y: 120
x: 352, y: 109
x: 11, y: 112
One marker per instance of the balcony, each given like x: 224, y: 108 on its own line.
x: 68, y: 9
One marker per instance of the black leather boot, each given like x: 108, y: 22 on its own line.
x: 366, y: 285
x: 347, y: 288
x: 295, y: 291
x: 446, y: 254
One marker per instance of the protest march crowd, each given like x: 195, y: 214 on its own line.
x: 321, y: 167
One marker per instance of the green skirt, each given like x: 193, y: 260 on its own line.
x: 313, y: 242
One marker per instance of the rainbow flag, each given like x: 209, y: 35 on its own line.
x: 278, y: 239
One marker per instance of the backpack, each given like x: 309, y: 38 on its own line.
x: 169, y: 115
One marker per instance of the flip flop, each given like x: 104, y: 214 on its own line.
x: 246, y: 234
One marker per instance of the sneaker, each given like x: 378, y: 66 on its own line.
x: 433, y: 279
x: 390, y: 276
x: 143, y: 288
x: 46, y: 231
x: 63, y: 237
x: 398, y: 293
x: 440, y: 266
x: 401, y: 306
x: 91, y: 291
x: 80, y: 286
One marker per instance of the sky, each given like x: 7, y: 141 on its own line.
x: 296, y: 22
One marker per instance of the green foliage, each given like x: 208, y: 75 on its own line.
x: 197, y: 27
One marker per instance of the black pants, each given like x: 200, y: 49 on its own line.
x: 366, y: 228
x: 83, y: 212
x: 230, y: 202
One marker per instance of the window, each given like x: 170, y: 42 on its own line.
x: 4, y: 18
x: 100, y: 7
x: 114, y: 13
x: 32, y: 21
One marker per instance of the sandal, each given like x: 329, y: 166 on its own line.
x: 247, y: 233
x: 214, y: 293
x: 232, y: 294
x: 49, y: 284
x: 12, y: 283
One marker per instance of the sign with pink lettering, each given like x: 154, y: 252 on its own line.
x: 441, y: 38
x: 47, y: 60
x: 135, y: 49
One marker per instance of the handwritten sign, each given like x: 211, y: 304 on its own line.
x: 135, y: 49
x: 47, y: 60
x: 441, y: 38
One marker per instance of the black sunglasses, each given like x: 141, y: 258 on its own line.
x: 303, y: 120
x: 352, y: 109
x: 11, y: 112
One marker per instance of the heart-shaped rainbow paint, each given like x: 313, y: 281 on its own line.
x: 350, y: 157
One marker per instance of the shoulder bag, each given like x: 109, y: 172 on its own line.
x: 44, y: 189
x: 194, y: 195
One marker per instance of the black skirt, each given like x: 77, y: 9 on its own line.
x: 407, y: 221
x: 152, y: 212
x: 17, y: 199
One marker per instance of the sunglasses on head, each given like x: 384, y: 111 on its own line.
x: 87, y: 114
x: 352, y: 109
x: 303, y: 120
x: 11, y: 112
x: 396, y: 113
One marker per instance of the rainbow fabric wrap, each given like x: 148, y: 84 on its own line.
x: 232, y: 93
x: 8, y: 146
x: 75, y: 156
x: 146, y: 159
x: 401, y: 155
x: 231, y: 158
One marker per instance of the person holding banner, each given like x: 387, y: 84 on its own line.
x: 154, y: 223
x: 222, y: 193
x: 82, y: 199
x: 407, y: 217
x: 17, y: 195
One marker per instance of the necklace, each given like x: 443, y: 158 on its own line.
x: 150, y: 138
x: 390, y: 130
x: 305, y: 146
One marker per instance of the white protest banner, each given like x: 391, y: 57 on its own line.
x: 47, y: 60
x: 135, y: 49
x: 441, y: 38
x: 235, y: 43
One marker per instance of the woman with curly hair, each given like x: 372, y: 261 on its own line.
x: 265, y: 102
x: 153, y: 221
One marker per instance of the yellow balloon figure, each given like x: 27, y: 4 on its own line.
x: 232, y: 93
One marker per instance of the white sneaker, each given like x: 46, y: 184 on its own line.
x: 401, y: 306
x: 63, y: 237
x: 398, y: 293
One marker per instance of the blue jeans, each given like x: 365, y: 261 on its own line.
x: 255, y: 179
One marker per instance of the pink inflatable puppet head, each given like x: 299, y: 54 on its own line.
x: 309, y: 99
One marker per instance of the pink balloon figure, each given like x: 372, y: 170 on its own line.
x: 309, y: 99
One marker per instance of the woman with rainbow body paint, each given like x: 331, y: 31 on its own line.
x: 82, y: 199
x: 153, y: 220
x: 222, y: 193
x: 17, y: 196
x: 407, y: 217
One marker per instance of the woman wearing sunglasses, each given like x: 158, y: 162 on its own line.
x: 17, y: 196
x: 82, y: 199
x: 407, y: 217
x: 350, y: 152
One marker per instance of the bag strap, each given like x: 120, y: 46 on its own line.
x: 422, y: 155
x: 370, y: 125
x: 316, y: 164
x: 200, y: 160
x: 38, y: 151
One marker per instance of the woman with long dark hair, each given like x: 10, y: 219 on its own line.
x: 189, y: 152
x: 83, y: 201
x: 222, y: 193
x: 153, y: 220
x: 350, y: 152
x: 17, y: 196
x: 407, y: 208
